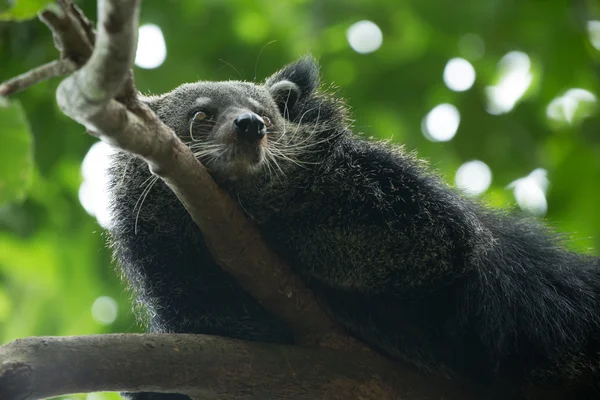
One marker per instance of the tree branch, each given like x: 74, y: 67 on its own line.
x: 202, y: 367
x: 74, y: 37
x: 72, y: 32
x: 42, y: 73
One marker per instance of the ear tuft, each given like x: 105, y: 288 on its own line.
x: 294, y: 82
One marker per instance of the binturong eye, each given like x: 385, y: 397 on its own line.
x: 200, y: 116
x: 201, y: 122
x: 268, y: 122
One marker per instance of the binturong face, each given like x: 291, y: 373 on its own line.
x: 241, y: 129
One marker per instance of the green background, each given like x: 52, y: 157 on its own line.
x: 53, y: 264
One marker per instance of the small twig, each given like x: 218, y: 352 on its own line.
x: 72, y: 32
x: 85, y: 23
x: 47, y: 71
x: 74, y: 37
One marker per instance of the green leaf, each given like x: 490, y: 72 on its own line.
x: 19, y: 10
x: 16, y: 152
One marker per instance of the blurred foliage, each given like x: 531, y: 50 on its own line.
x: 20, y: 9
x: 53, y: 263
x: 17, y: 162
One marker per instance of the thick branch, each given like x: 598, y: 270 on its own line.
x: 202, y: 367
x: 88, y: 91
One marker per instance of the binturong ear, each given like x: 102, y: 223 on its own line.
x: 294, y: 83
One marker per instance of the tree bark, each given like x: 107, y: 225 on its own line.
x: 203, y: 367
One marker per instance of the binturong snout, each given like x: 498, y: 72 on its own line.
x: 250, y: 126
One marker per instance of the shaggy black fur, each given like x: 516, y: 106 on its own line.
x: 400, y: 259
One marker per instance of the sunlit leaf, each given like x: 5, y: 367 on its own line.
x: 16, y: 152
x: 19, y: 10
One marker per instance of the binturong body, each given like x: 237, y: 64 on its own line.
x: 399, y: 259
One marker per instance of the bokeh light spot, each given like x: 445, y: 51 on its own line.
x: 364, y: 37
x: 530, y: 192
x: 105, y: 310
x: 473, y: 177
x: 93, y: 191
x: 575, y: 104
x: 151, y: 48
x: 441, y: 123
x: 515, y: 79
x: 593, y: 28
x: 459, y: 74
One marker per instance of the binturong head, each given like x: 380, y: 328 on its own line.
x: 247, y: 131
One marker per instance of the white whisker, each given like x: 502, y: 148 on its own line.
x: 142, y: 198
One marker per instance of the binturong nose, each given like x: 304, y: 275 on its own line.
x: 250, y: 126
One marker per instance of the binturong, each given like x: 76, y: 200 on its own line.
x: 401, y: 260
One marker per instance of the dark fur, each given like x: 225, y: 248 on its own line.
x: 401, y: 260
